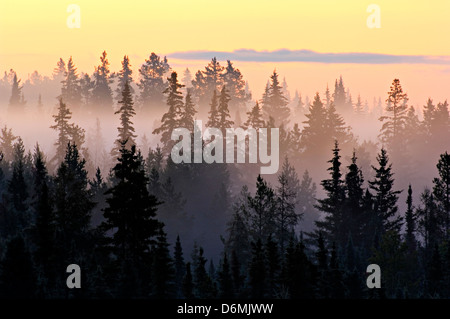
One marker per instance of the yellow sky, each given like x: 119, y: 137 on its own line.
x: 34, y: 34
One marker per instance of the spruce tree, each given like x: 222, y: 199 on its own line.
x: 286, y: 216
x: 187, y: 113
x: 125, y: 77
x: 180, y: 267
x: 410, y: 219
x: 223, y: 112
x: 131, y: 209
x: 126, y: 129
x: 441, y: 191
x: 354, y: 217
x: 102, y: 99
x: 392, y: 131
x: 235, y: 84
x: 71, y: 90
x: 214, y: 117
x: 254, y: 118
x: 225, y: 280
x: 333, y: 203
x: 16, y: 103
x: 276, y: 102
x: 152, y: 83
x: 385, y: 197
x: 170, y: 119
x: 262, y: 211
x: 162, y: 266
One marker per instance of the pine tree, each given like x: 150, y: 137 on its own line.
x: 202, y: 281
x: 225, y: 280
x: 17, y: 188
x: 322, y: 288
x: 272, y: 260
x: 235, y: 84
x: 340, y: 97
x: 71, y: 90
x: 188, y: 285
x: 333, y: 204
x: 73, y: 202
x: 102, y: 99
x: 314, y: 133
x: 152, y: 82
x: 44, y: 227
x: 428, y: 221
x: 67, y: 132
x: 222, y: 111
x: 7, y: 139
x: 180, y: 267
x: 126, y: 129
x: 16, y: 103
x: 213, y: 118
x: 354, y: 220
x: 125, y: 77
x: 359, y: 110
x: 187, y: 113
x: 394, y: 123
x: 86, y: 87
x: 162, y: 266
x: 254, y: 118
x: 335, y: 127
x: 131, y: 210
x: 306, y: 202
x: 286, y: 216
x: 385, y: 197
x: 410, y: 220
x: 262, y: 211
x: 276, y: 105
x: 170, y: 119
x: 187, y: 79
x: 59, y: 71
x: 441, y: 191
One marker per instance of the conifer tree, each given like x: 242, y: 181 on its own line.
x: 16, y: 102
x: 170, y: 119
x: 162, y: 266
x: 333, y: 204
x: 180, y: 267
x: 385, y: 197
x: 276, y: 105
x: 223, y: 112
x: 131, y: 210
x: 262, y: 211
x: 286, y: 216
x: 152, y: 83
x: 71, y: 90
x: 213, y: 118
x: 394, y: 122
x: 126, y: 129
x: 235, y: 84
x: 225, y: 279
x: 102, y: 99
x: 410, y: 219
x: 125, y: 76
x: 254, y: 118
x: 441, y: 191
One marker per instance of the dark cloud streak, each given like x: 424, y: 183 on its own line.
x: 285, y: 55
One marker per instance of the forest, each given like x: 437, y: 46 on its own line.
x: 91, y: 181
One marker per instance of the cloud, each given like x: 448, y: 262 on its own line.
x: 285, y: 55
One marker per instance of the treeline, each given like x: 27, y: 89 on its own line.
x: 118, y: 224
